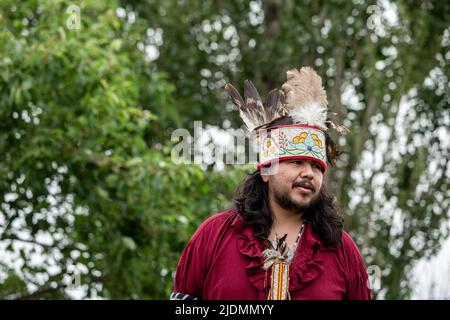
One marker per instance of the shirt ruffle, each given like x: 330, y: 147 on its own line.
x: 305, y: 267
x: 251, y: 248
x: 307, y: 263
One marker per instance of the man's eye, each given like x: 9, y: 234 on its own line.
x: 318, y: 167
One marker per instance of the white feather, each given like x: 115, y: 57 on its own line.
x: 312, y: 114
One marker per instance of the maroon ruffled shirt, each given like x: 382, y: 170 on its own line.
x: 223, y: 261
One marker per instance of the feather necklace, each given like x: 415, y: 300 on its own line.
x: 279, y: 257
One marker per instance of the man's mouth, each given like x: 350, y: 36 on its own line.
x: 304, y: 187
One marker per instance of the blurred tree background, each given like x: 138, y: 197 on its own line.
x: 90, y: 200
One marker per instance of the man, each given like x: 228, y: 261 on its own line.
x: 284, y: 238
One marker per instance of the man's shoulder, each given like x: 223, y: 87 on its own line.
x: 221, y: 216
x: 348, y: 242
x: 218, y: 222
x: 349, y: 247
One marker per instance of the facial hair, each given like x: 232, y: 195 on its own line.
x: 285, y: 201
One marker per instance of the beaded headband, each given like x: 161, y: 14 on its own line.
x: 290, y: 142
x: 301, y: 102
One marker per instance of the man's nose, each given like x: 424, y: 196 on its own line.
x: 307, y: 170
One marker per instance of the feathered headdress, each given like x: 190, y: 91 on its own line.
x: 301, y: 103
x: 252, y: 111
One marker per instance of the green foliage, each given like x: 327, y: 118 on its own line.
x: 13, y: 285
x: 74, y: 127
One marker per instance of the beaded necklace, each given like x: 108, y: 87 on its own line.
x: 279, y: 257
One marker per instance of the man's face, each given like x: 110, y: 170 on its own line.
x: 296, y: 184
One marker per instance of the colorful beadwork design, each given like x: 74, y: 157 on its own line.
x: 280, y: 282
x: 292, y: 141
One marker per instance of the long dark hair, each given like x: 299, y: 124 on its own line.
x: 252, y: 204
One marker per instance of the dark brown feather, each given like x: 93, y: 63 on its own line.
x: 235, y: 96
x: 332, y: 150
x: 272, y: 104
x: 253, y: 102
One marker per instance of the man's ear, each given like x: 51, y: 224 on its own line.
x: 265, y: 177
